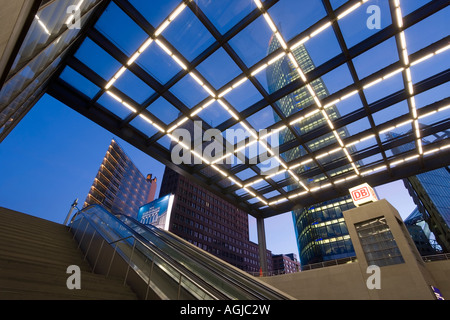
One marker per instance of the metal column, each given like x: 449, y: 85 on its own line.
x: 262, y: 244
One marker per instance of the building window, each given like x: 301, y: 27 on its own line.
x: 378, y: 244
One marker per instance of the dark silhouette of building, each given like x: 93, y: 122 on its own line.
x: 211, y: 223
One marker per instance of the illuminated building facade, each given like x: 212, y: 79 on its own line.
x: 321, y: 232
x: 119, y: 186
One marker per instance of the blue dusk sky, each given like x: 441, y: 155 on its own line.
x: 54, y: 153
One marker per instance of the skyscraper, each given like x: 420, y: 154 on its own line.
x: 211, y: 223
x: 430, y: 191
x: 119, y: 186
x: 320, y: 229
x: 208, y: 221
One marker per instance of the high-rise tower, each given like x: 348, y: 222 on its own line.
x: 119, y: 186
x: 320, y: 229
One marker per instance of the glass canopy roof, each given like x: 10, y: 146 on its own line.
x: 306, y: 98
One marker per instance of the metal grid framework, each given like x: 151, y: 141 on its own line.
x: 366, y: 155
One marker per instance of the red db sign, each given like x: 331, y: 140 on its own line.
x: 362, y: 194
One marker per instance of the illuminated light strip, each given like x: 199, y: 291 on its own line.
x: 171, y: 54
x: 131, y: 108
x: 238, y: 83
x: 261, y: 200
x: 227, y: 108
x: 407, y: 73
x: 206, y: 105
x: 278, y: 201
x: 374, y: 170
x: 142, y: 48
x: 275, y: 174
x: 320, y: 29
x: 44, y: 27
x: 349, y: 10
x: 385, y: 77
x: 253, y: 182
x: 209, y: 90
x: 327, y: 25
x: 251, y: 131
x: 271, y: 132
x: 72, y: 16
x: 301, y: 74
x: 276, y: 58
x: 442, y: 49
x: 258, y: 70
x: 322, y: 155
x: 147, y: 43
x: 152, y: 123
x: 249, y: 191
x: 179, y: 123
x: 370, y: 136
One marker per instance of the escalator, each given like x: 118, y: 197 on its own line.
x: 159, y: 265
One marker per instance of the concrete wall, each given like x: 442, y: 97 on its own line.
x: 331, y: 283
x: 411, y: 280
x: 12, y: 18
x: 440, y: 272
x: 346, y: 282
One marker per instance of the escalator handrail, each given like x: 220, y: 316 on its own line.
x: 232, y: 275
x: 160, y: 254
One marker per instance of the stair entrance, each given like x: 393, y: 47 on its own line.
x: 34, y: 257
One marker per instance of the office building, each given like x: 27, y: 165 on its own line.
x: 119, y: 186
x: 285, y: 263
x: 320, y: 229
x: 430, y: 191
x: 210, y: 223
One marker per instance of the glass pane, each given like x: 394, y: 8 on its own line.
x: 219, y: 69
x: 252, y: 43
x: 225, y: 14
x: 114, y: 106
x: 293, y: 16
x: 188, y: 35
x: 158, y: 63
x: 358, y: 25
x: 164, y: 110
x: 79, y: 82
x: 90, y: 54
x: 124, y: 32
x: 155, y: 14
x: 135, y: 88
x: 376, y: 58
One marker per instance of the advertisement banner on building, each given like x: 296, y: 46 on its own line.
x: 157, y: 212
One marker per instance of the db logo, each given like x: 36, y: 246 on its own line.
x: 362, y: 194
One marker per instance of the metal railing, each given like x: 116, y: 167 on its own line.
x: 436, y: 257
x: 169, y: 267
x: 216, y: 272
x: 103, y: 247
x: 329, y: 263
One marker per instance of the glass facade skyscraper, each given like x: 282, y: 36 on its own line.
x: 119, y: 186
x: 321, y: 232
x: 431, y: 193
